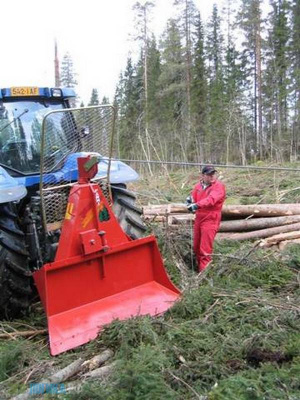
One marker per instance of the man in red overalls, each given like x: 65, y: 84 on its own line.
x: 206, y: 200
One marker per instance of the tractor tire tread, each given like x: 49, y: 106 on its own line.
x: 17, y: 269
x: 132, y: 206
x: 12, y: 245
x: 136, y: 223
x: 127, y: 213
x: 15, y: 275
x: 17, y: 285
x: 6, y: 225
x: 126, y: 192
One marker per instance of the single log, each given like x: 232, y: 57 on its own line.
x: 155, y: 218
x: 171, y: 218
x: 282, y: 245
x: 183, y: 218
x: 279, y: 238
x: 262, y: 210
x: 162, y: 209
x: 263, y: 233
x: 63, y: 374
x: 242, y: 225
x: 97, y: 360
x: 101, y: 372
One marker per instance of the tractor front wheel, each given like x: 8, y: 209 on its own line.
x: 15, y: 277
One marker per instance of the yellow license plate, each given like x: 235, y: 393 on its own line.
x: 24, y: 91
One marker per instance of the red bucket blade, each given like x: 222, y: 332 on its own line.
x: 81, y: 295
x: 80, y: 325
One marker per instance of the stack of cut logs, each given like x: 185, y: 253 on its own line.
x: 272, y: 224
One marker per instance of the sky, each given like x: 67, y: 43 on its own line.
x: 96, y: 33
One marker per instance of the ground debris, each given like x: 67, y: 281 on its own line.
x: 88, y: 369
x: 257, y: 356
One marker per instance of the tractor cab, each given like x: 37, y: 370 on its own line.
x: 21, y: 115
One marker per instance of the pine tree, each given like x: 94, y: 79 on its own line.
x: 276, y: 91
x: 105, y: 100
x: 143, y: 12
x: 198, y: 92
x: 129, y: 112
x: 67, y: 74
x: 295, y: 73
x: 250, y: 21
x: 187, y: 21
x: 234, y: 101
x: 172, y: 93
x: 154, y: 71
x: 118, y: 104
x: 216, y: 89
x: 94, y: 100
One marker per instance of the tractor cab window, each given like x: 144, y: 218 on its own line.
x: 20, y: 134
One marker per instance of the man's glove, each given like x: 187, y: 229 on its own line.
x: 189, y: 200
x: 192, y: 207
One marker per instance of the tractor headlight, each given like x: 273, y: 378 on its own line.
x: 56, y: 92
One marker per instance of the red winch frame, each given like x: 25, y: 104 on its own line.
x: 99, y: 274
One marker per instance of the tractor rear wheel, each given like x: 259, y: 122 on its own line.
x: 15, y: 276
x: 127, y: 213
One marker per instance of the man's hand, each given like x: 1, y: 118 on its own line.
x: 189, y: 200
x: 192, y: 207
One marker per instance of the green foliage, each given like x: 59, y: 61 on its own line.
x: 292, y: 254
x: 126, y: 335
x: 129, y: 108
x: 236, y: 328
x: 171, y: 82
x: 141, y: 377
x: 269, y: 382
x: 10, y: 359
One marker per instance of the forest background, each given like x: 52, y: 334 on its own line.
x: 227, y: 91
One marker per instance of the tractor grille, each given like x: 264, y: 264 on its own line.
x: 65, y: 133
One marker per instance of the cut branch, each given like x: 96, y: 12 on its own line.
x: 31, y: 333
x: 74, y: 368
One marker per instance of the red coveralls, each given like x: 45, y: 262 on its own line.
x: 208, y: 217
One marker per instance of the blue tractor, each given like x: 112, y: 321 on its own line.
x: 25, y: 244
